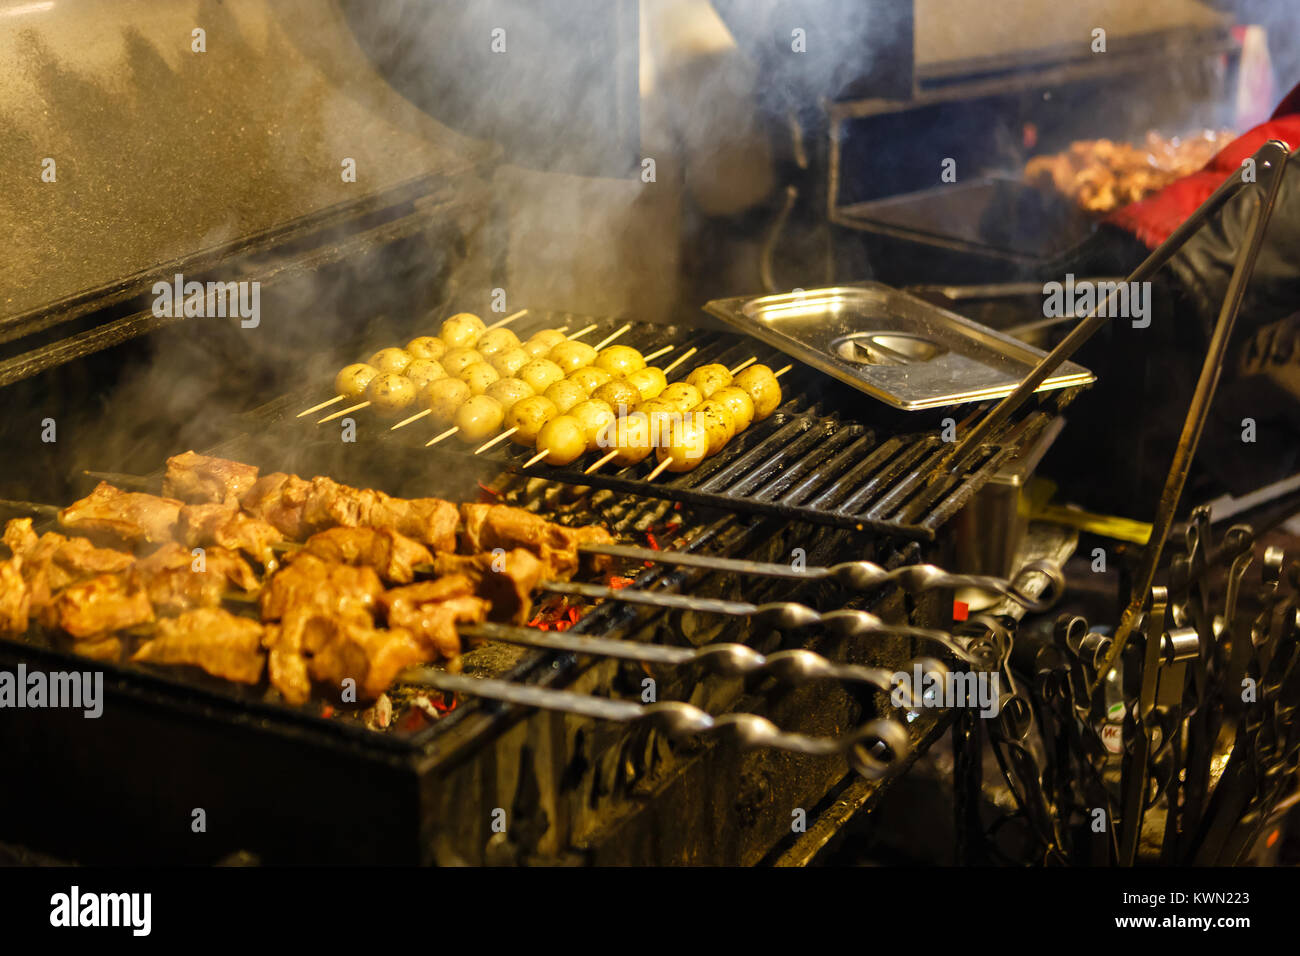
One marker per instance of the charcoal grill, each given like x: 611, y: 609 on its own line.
x: 830, y: 475
x: 574, y: 788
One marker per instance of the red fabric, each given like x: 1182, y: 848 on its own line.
x: 1154, y: 218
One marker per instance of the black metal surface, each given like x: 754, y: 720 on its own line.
x: 133, y: 204
x: 994, y: 216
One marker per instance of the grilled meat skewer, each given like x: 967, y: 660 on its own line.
x: 325, y: 615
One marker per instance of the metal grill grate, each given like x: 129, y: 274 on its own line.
x: 805, y: 462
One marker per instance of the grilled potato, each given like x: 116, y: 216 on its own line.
x: 496, y: 340
x: 681, y: 395
x: 563, y: 439
x: 649, y: 382
x: 508, y: 362
x: 351, y: 381
x: 458, y: 333
x: 443, y: 396
x: 571, y: 356
x: 455, y: 360
x: 389, y: 394
x: 423, y: 371
x: 565, y: 394
x: 593, y: 415
x: 542, y: 342
x: 392, y: 360
x: 761, y: 385
x: 541, y: 374
x: 478, y: 377
x: 661, y: 416
x: 633, y: 439
x: 718, y: 422
x: 686, y: 445
x: 709, y: 378
x: 589, y: 378
x: 478, y: 419
x: 507, y: 391
x: 427, y: 347
x: 618, y: 393
x: 619, y: 360
x: 527, y: 416
x: 470, y: 319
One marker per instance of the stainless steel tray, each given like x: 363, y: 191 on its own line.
x: 893, y: 346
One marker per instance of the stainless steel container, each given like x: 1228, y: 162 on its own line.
x: 990, y: 529
x: 897, y: 348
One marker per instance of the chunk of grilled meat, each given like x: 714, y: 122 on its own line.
x: 203, y: 478
x: 107, y: 650
x: 50, y: 562
x: 391, y: 554
x: 431, y: 610
x: 279, y: 499
x: 128, y: 517
x: 301, y: 508
x: 1101, y: 175
x: 224, y: 525
x: 20, y: 537
x: 223, y: 644
x: 327, y: 586
x: 98, y: 607
x: 15, y: 598
x: 285, y: 664
x: 505, y: 579
x: 177, y: 580
x: 488, y: 527
x: 304, y: 597
x: 340, y: 649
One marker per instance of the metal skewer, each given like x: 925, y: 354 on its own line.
x: 872, y: 750
x: 30, y: 507
x: 732, y: 660
x: 779, y: 615
x: 122, y: 480
x: 857, y: 575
